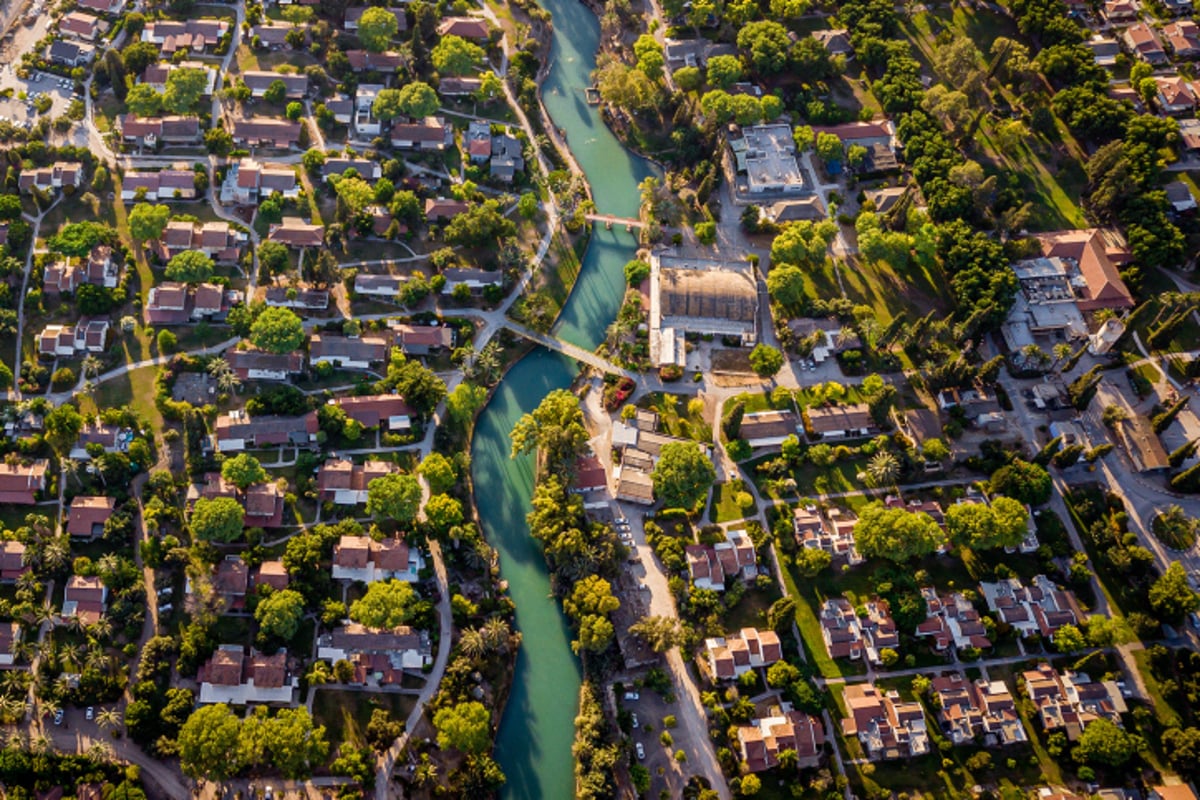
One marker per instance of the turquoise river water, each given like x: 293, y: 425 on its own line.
x: 534, y: 742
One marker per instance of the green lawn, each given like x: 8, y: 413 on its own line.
x: 678, y: 417
x: 724, y: 507
x: 345, y: 714
x: 751, y: 610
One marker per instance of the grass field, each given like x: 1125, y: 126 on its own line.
x: 724, y: 507
x: 345, y: 714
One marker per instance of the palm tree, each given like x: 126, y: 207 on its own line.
x: 228, y: 382
x: 49, y: 706
x: 62, y: 684
x: 91, y: 366
x: 71, y: 656
x: 45, y: 612
x: 789, y: 759
x: 70, y: 469
x: 109, y: 719
x: 472, y: 643
x: 11, y: 709
x: 12, y: 682
x: 100, y: 751
x: 426, y: 772
x: 101, y: 629
x: 98, y: 660
x: 883, y: 468
x: 217, y: 366
x: 41, y: 743
x: 56, y: 553
x: 495, y: 633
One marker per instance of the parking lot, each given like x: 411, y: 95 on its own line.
x: 23, y: 111
x: 650, y: 710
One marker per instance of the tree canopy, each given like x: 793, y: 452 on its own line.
x: 1004, y: 523
x: 465, y: 726
x: 386, y: 605
x: 683, y: 475
x: 896, y: 533
x: 555, y: 430
x: 454, y: 55
x: 148, y: 221
x: 417, y: 100
x: 1171, y: 596
x: 217, y: 519
x: 279, y: 614
x: 243, y: 470
x: 190, y: 266
x: 395, y: 497
x: 277, y: 330
x: 376, y: 28
x: 1022, y: 481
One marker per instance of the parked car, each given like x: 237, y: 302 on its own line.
x: 58, y: 717
x: 91, y: 713
x: 634, y: 721
x: 632, y: 695
x: 641, y: 751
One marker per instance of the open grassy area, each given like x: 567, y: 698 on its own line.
x: 135, y: 389
x: 1158, y: 308
x: 679, y: 415
x: 345, y: 714
x: 724, y: 507
x: 1167, y: 716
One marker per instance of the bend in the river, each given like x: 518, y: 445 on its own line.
x: 536, y: 731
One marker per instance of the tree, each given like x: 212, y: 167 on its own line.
x: 386, y: 605
x: 376, y: 29
x: 555, y: 430
x: 527, y: 206
x: 185, y: 86
x: 355, y: 193
x: 1103, y: 743
x: 465, y: 726
x: 294, y: 111
x: 217, y: 519
x: 829, y: 148
x: 273, y: 257
x: 395, y: 496
x: 765, y: 360
x: 208, y: 743
x: 1171, y: 596
x: 636, y: 272
x: 167, y: 341
x: 190, y: 266
x: 143, y: 100
x: 418, y: 100
x: 979, y: 526
x: 243, y: 470
x: 1022, y: 481
x: 387, y: 105
x: 812, y: 561
x: 767, y: 45
x: 724, y: 71
x: 279, y: 614
x: 454, y: 55
x: 277, y: 330
x: 218, y: 141
x: 1182, y: 748
x: 443, y: 512
x: 896, y: 533
x: 751, y: 785
x: 1069, y: 639
x: 883, y: 468
x: 276, y: 92
x: 683, y: 475
x: 63, y: 425
x: 439, y: 471
x: 148, y: 222
x: 659, y: 633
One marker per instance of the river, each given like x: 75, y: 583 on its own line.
x: 536, y: 731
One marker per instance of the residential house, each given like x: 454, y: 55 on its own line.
x: 836, y: 42
x: 167, y: 304
x: 917, y: 506
x: 421, y: 340
x: 1178, y: 791
x: 238, y: 431
x: 195, y: 35
x: 295, y: 232
x: 345, y: 483
x: 232, y: 677
x: 10, y: 637
x: 768, y: 428
x: 273, y: 34
x: 1180, y: 197
x: 1119, y: 12
x: 467, y: 27
x: 1001, y: 723
x: 458, y: 87
x: 85, y: 599
x: 1104, y: 49
x: 839, y: 422
x: 86, y: 516
x: 156, y: 75
x: 958, y: 710
x: 438, y: 209
x: 1143, y: 42
x: 1183, y: 37
x: 507, y: 158
x: 1040, y: 608
x: 733, y: 656
x: 1071, y: 701
x: 887, y: 727
x: 429, y: 134
x: 1175, y: 95
x: 951, y: 620
x: 263, y: 502
x: 271, y: 573
x: 218, y: 240
x: 67, y: 275
x: 388, y: 412
x: 877, y: 137
x: 298, y: 298
x: 266, y: 132
x: 347, y: 352
x: 387, y: 286
x: 12, y: 561
x: 95, y: 433
x: 112, y: 7
x: 365, y: 121
x: 360, y: 558
x: 81, y: 26
x: 67, y: 341
x: 834, y: 535
x: 367, y: 169
x: 208, y: 301
x: 363, y: 60
x: 151, y: 131
x: 231, y: 580
x: 380, y: 657
x: 473, y: 279
x: 295, y: 84
x: 70, y: 54
x: 342, y: 108
x: 783, y: 728
x: 20, y: 482
x: 847, y: 635
x: 252, y: 181
x: 709, y: 566
x: 162, y: 185
x: 58, y: 175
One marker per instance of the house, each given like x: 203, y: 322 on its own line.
x: 218, y: 240
x: 150, y: 131
x: 362, y: 60
x: 249, y: 181
x: 839, y: 422
x: 342, y: 108
x: 99, y: 269
x: 380, y: 657
x: 360, y: 558
x: 506, y: 158
x: 87, y: 515
x: 765, y: 738
x: 85, y: 599
x: 847, y: 635
x: 273, y: 35
x: 421, y: 340
x: 345, y: 483
x: 693, y: 52
x: 1175, y: 95
x: 887, y: 727
x: 1143, y: 41
x: 12, y: 561
x: 768, y: 428
x: 473, y: 279
x: 70, y: 54
x: 378, y: 285
x: 208, y: 300
x: 958, y: 713
x: 1180, y: 197
x: 303, y: 299
x: 1178, y: 791
x: 165, y: 185
x: 81, y: 26
x: 466, y: 27
x: 168, y: 304
x: 96, y: 433
x: 733, y: 656
x: 1071, y: 701
x: 266, y: 132
x: 836, y: 42
x: 231, y: 580
x: 804, y: 209
x: 458, y: 87
x: 387, y: 412
x: 20, y: 483
x: 156, y: 75
x: 767, y: 156
x: 295, y: 85
x: 877, y: 137
x: 699, y: 296
x: 1104, y: 49
x: 295, y: 232
x: 232, y: 677
x: 709, y: 566
x: 85, y: 336
x: 1121, y: 11
x: 354, y: 14
x: 347, y: 352
x: 429, y: 134
x: 58, y: 175
x: 1001, y: 722
x: 196, y: 35
x: 438, y: 209
x: 834, y: 535
x: 271, y: 573
x: 238, y: 431
x: 102, y: 6
x: 1183, y: 37
x: 367, y: 169
x: 951, y: 620
x: 10, y: 637
x: 590, y: 475
x: 263, y: 503
x: 1040, y: 608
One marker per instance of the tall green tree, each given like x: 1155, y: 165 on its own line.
x: 376, y: 29
x: 896, y: 533
x: 683, y: 475
x: 277, y: 330
x: 555, y: 430
x: 208, y: 743
x: 385, y: 606
x: 395, y: 497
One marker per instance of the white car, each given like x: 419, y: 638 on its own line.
x: 641, y: 751
x: 91, y: 713
x: 634, y: 720
x: 631, y: 695
x: 58, y: 717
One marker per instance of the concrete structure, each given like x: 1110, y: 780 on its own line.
x: 699, y: 296
x: 767, y: 154
x: 733, y: 656
x: 360, y: 558
x: 887, y: 727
